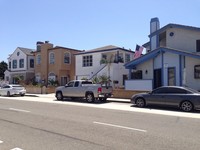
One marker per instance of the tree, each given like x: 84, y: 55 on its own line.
x: 3, y: 68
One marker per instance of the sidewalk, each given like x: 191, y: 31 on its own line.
x: 53, y: 96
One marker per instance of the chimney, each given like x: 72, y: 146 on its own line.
x: 38, y: 44
x: 154, y: 25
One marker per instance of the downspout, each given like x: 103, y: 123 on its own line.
x: 162, y: 62
x: 180, y: 70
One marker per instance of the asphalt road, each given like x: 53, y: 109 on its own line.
x: 46, y: 124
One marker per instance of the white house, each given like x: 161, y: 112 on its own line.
x: 108, y: 60
x: 172, y: 58
x: 20, y: 65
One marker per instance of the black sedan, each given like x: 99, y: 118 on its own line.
x: 175, y: 96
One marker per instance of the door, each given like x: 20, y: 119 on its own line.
x: 63, y: 81
x: 72, y: 89
x: 157, y: 96
x: 157, y: 78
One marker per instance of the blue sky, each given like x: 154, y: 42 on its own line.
x: 87, y: 24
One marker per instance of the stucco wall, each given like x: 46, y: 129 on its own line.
x: 171, y: 60
x: 190, y: 80
x: 182, y: 39
x: 86, y: 71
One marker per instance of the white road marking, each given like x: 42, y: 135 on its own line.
x: 118, y: 126
x: 16, y: 148
x: 19, y: 110
x: 1, y: 141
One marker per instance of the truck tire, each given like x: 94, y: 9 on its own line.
x: 90, y: 97
x: 59, y: 96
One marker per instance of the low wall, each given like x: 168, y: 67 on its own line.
x: 117, y: 93
x: 39, y: 90
x: 122, y: 93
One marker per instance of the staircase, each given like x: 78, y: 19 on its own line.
x: 101, y: 67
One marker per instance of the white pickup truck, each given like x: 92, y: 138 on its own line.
x: 83, y: 89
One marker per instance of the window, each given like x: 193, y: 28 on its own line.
x: 198, y: 45
x: 136, y: 74
x: 104, y: 56
x: 39, y: 59
x: 21, y: 63
x: 51, y: 58
x: 14, y: 64
x: 52, y: 77
x: 76, y: 84
x: 127, y: 58
x: 31, y: 63
x: 197, y: 71
x: 70, y: 84
x: 177, y: 91
x: 38, y: 78
x: 119, y: 58
x: 160, y: 91
x: 87, y: 61
x: 171, y: 76
x: 67, y: 58
x: 167, y: 90
x: 9, y: 64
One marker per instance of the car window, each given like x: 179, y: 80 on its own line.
x: 6, y: 87
x: 177, y: 91
x: 86, y: 82
x: 70, y: 84
x: 76, y: 84
x: 17, y: 86
x: 160, y: 91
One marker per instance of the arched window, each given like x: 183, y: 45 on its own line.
x: 51, y: 58
x: 38, y: 59
x: 38, y: 77
x: 52, y: 77
x: 67, y: 58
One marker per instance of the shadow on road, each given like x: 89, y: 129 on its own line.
x: 151, y: 107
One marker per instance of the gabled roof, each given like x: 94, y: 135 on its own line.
x: 104, y: 49
x: 26, y: 51
x: 171, y: 25
x: 152, y: 54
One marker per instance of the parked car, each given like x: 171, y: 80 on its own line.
x: 84, y: 89
x: 175, y: 96
x: 12, y: 89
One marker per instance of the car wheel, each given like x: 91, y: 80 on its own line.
x: 140, y: 102
x: 59, y: 96
x: 187, y: 106
x: 8, y: 93
x: 90, y: 98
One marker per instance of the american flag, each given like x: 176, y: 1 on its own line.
x: 138, y: 51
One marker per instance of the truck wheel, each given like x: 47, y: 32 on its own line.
x: 90, y: 98
x: 59, y: 96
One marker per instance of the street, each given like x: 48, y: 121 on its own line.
x: 42, y: 123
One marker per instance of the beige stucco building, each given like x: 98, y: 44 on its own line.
x: 54, y: 64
